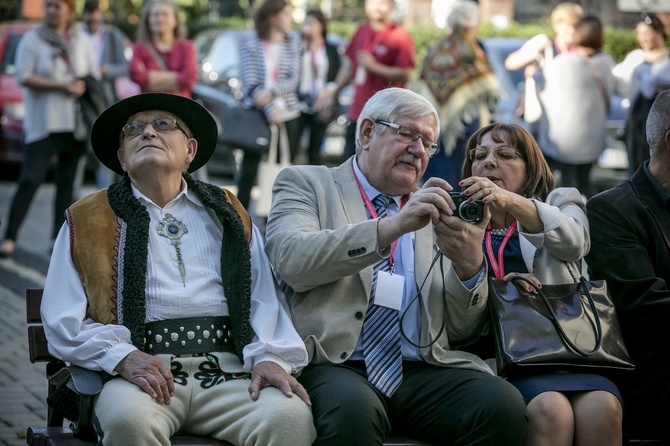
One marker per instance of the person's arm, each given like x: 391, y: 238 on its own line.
x: 137, y: 69
x: 27, y: 58
x: 289, y: 83
x: 72, y: 336
x: 528, y: 53
x: 116, y: 64
x: 304, y: 253
x: 392, y: 73
x: 187, y: 73
x: 277, y: 352
x: 656, y: 79
x: 343, y: 78
x: 276, y: 339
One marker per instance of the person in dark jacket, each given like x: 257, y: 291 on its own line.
x: 630, y: 248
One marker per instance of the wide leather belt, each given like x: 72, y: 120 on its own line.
x: 188, y: 336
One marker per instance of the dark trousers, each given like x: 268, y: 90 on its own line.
x: 34, y: 170
x: 317, y: 131
x: 250, y: 161
x: 574, y: 175
x: 350, y: 141
x: 433, y: 404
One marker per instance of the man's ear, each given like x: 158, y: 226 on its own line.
x: 192, y: 149
x: 119, y: 155
x: 365, y: 133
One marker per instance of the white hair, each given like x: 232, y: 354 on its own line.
x: 464, y: 14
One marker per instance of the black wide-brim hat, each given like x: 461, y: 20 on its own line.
x: 107, y: 127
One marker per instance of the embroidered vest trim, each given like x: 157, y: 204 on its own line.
x: 109, y: 243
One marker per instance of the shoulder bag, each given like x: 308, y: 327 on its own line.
x: 244, y: 128
x: 571, y: 327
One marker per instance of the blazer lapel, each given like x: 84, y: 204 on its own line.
x: 353, y: 206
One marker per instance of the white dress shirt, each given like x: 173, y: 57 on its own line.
x: 96, y: 346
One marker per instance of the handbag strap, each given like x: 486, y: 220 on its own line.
x: 156, y: 57
x: 557, y: 324
x: 279, y: 142
x: 600, y: 82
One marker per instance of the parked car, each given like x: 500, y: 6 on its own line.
x: 11, y: 93
x: 12, y: 109
x: 613, y: 162
x: 219, y: 83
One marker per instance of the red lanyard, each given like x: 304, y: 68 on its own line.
x: 371, y: 209
x: 272, y: 62
x: 499, y: 266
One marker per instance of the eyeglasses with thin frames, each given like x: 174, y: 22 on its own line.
x: 503, y: 154
x: 162, y: 125
x: 410, y: 136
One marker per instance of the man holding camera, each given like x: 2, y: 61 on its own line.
x: 354, y: 247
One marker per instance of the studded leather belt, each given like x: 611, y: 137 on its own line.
x: 189, y: 336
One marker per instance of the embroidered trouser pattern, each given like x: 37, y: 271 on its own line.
x: 207, y: 401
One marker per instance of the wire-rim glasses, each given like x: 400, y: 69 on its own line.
x: 410, y: 136
x: 480, y: 154
x: 162, y: 125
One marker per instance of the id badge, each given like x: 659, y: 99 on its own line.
x: 361, y: 75
x: 390, y: 289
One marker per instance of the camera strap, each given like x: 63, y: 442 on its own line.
x: 499, y: 265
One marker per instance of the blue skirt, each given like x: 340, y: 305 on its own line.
x: 531, y: 386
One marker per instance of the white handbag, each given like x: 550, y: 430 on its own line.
x: 269, y: 168
x: 532, y: 110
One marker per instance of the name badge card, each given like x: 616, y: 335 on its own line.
x: 390, y: 289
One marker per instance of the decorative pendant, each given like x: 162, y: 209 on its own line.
x: 172, y: 229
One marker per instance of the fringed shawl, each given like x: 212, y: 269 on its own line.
x: 457, y: 80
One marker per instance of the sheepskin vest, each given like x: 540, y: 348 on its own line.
x: 109, y: 238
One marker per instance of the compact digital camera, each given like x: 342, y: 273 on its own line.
x: 470, y: 212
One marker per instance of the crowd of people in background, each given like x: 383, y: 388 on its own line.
x: 535, y: 179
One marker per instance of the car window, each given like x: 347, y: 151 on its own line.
x: 9, y: 55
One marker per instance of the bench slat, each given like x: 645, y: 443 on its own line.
x: 33, y: 302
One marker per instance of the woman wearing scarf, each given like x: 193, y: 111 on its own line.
x: 51, y: 62
x: 457, y: 80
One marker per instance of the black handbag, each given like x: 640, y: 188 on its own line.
x: 244, y: 128
x: 571, y: 327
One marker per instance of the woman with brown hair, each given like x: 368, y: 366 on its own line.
x: 541, y: 233
x: 163, y: 59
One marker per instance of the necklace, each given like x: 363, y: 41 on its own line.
x: 501, y: 232
x: 172, y: 229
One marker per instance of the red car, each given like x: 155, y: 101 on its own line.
x: 12, y: 109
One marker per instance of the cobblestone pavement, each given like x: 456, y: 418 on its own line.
x: 23, y: 385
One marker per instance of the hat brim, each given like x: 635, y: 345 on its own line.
x: 107, y: 127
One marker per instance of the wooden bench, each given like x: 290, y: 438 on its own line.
x: 79, y: 432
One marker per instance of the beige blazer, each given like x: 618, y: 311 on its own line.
x: 323, y: 248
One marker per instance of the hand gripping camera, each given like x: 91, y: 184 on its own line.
x: 470, y: 212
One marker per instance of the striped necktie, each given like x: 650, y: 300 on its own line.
x: 381, y: 330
